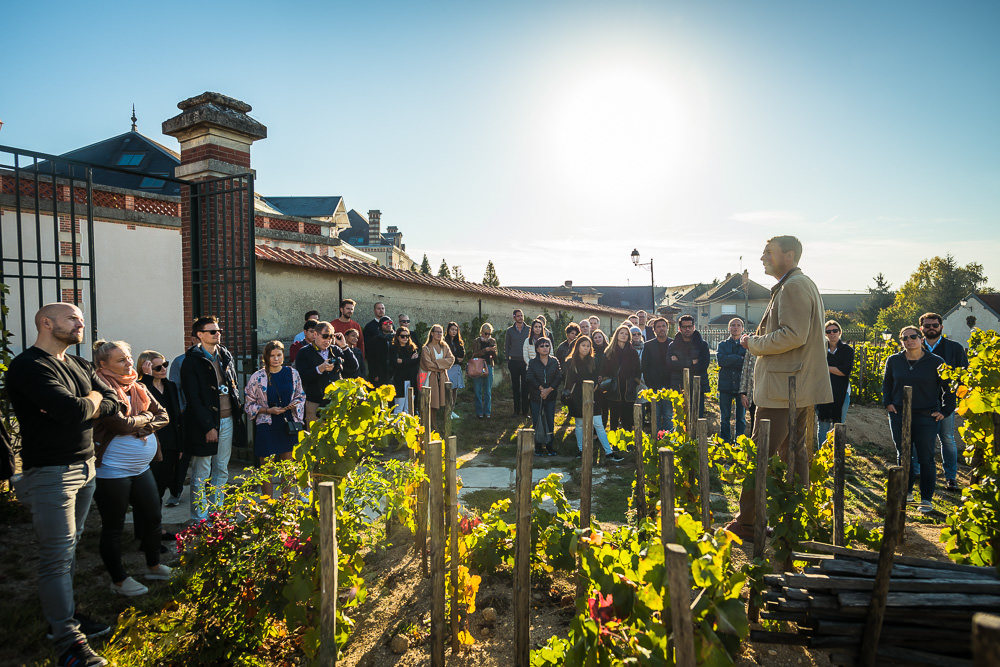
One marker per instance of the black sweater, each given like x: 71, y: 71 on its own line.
x: 539, y: 376
x: 314, y: 384
x: 930, y: 392
x: 169, y: 436
x: 53, y: 414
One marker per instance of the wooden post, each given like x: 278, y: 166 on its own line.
x: 686, y: 375
x: 811, y: 442
x: 760, y: 500
x: 640, y: 469
x: 678, y: 569
x: 985, y: 640
x: 438, y: 546
x: 668, y: 525
x: 328, y: 573
x: 760, y: 488
x: 861, y: 372
x: 587, y: 456
x: 695, y: 403
x: 448, y: 409
x: 522, y: 548
x: 839, y: 449
x: 420, y: 537
x: 704, y: 478
x: 906, y: 457
x: 451, y: 483
x: 880, y: 592
x: 410, y: 405
x: 652, y: 422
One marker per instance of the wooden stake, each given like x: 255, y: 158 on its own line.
x: 668, y: 525
x: 652, y: 423
x: 640, y: 468
x: 678, y: 569
x: 839, y: 462
x: 410, y: 404
x: 760, y: 500
x: 522, y: 548
x: 587, y: 455
x: 985, y: 640
x: 906, y: 458
x: 704, y: 478
x: 451, y: 483
x: 695, y: 403
x: 893, y: 527
x: 421, y: 518
x: 686, y: 375
x: 439, y: 628
x: 328, y: 574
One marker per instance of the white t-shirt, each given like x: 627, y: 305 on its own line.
x: 127, y: 456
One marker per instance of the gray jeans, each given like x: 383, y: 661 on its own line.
x: 59, y: 497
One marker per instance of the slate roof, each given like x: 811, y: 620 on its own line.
x: 130, y: 151
x: 988, y: 299
x: 307, y: 260
x: 357, y: 233
x: 725, y: 289
x: 630, y: 298
x: 306, y: 207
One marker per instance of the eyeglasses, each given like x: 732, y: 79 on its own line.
x: 161, y: 366
x: 326, y: 335
x: 830, y: 331
x: 909, y: 337
x: 213, y: 332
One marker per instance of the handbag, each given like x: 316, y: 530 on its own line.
x: 609, y: 384
x: 292, y: 427
x: 476, y: 367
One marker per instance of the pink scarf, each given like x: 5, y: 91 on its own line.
x: 130, y: 391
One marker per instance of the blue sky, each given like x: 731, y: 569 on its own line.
x: 555, y: 137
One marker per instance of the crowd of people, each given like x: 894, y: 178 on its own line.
x: 125, y: 433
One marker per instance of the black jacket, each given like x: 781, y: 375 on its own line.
x: 842, y: 360
x: 930, y: 392
x: 403, y: 367
x: 656, y: 364
x: 379, y: 372
x: 730, y: 355
x: 575, y: 378
x: 314, y: 384
x: 170, y: 436
x: 539, y: 376
x: 53, y: 415
x: 204, y: 398
x: 686, y: 352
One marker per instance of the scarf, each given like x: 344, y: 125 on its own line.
x: 130, y: 392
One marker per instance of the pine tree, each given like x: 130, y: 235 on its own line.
x: 443, y: 270
x: 425, y: 266
x: 490, y: 279
x: 456, y: 273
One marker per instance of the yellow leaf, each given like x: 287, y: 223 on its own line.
x: 465, y: 638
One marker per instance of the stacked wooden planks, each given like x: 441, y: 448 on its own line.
x: 928, y: 614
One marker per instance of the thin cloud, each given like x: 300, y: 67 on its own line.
x: 767, y: 217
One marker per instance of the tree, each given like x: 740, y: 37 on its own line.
x: 425, y: 266
x: 443, y: 270
x: 456, y: 273
x: 880, y: 296
x: 490, y: 278
x: 936, y: 286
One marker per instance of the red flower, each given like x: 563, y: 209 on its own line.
x: 660, y: 435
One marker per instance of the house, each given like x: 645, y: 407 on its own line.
x: 364, y: 233
x: 980, y: 310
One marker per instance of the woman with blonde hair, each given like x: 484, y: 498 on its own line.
x: 124, y: 445
x: 435, y: 360
x: 484, y: 347
x: 276, y: 402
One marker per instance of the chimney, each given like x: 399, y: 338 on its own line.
x: 568, y: 283
x: 374, y: 226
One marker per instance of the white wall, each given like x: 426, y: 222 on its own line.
x: 139, y: 289
x: 956, y: 328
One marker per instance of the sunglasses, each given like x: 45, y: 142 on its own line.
x: 212, y: 331
x: 161, y: 366
x: 404, y: 336
x: 325, y: 336
x: 830, y: 331
x: 909, y: 337
x: 931, y: 325
x: 404, y: 321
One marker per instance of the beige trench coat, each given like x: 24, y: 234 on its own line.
x: 437, y: 371
x: 790, y: 342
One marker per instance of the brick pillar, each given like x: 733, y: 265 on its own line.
x: 215, y: 134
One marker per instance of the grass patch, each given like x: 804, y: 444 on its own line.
x: 483, y: 499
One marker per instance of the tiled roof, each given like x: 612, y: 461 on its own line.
x: 991, y: 300
x: 304, y: 259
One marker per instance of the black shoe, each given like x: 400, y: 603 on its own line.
x: 615, y: 457
x: 952, y: 485
x: 549, y: 451
x: 80, y: 655
x: 578, y: 454
x: 90, y: 628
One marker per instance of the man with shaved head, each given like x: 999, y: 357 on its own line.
x: 56, y: 396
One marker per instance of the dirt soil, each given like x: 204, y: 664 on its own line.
x: 398, y: 596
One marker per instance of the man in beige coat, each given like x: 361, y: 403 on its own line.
x: 789, y: 343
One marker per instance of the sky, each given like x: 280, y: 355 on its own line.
x: 553, y: 138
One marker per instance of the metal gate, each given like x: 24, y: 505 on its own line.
x: 223, y: 275
x: 46, y: 240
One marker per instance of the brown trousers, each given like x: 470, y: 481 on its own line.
x: 311, y: 410
x: 778, y: 443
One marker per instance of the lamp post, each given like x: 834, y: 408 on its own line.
x: 886, y: 336
x: 652, y: 280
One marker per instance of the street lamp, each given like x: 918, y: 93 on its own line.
x: 886, y: 336
x: 652, y: 280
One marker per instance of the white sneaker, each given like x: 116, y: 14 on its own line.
x: 454, y: 415
x: 926, y: 507
x: 129, y: 588
x: 159, y: 573
x: 909, y: 497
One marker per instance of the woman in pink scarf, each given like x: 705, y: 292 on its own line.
x: 125, y: 445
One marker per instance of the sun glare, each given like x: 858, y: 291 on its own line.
x: 622, y: 128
